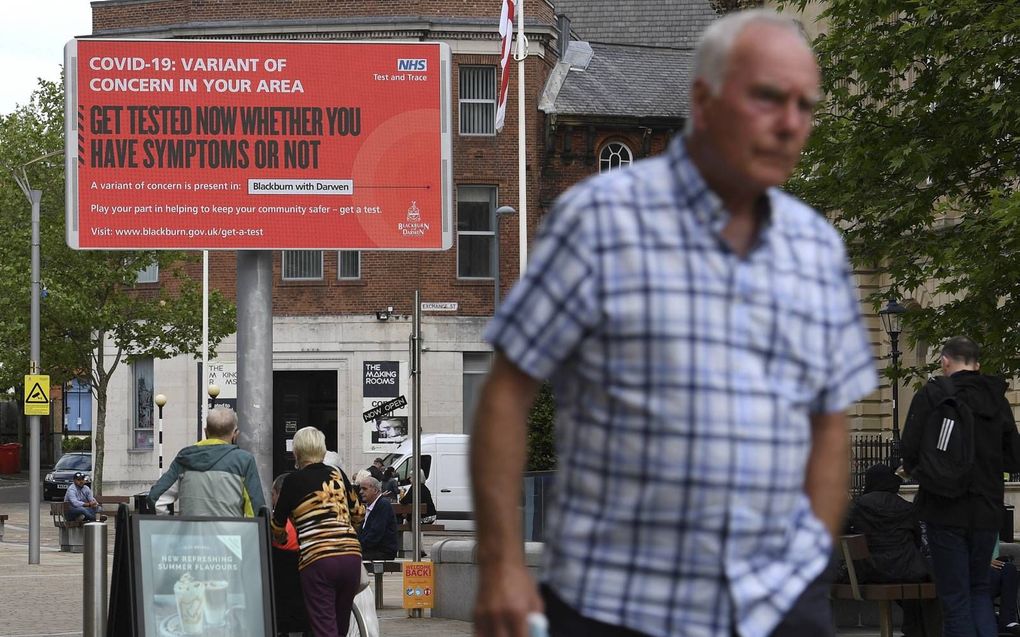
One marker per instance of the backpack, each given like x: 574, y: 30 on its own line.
x: 945, y: 456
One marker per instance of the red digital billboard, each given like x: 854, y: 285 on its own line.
x: 196, y: 144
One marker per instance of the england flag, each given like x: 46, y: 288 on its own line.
x: 506, y: 33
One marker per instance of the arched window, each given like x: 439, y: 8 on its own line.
x: 614, y: 155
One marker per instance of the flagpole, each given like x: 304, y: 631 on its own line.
x: 522, y: 196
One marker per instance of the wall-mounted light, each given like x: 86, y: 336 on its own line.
x: 384, y: 315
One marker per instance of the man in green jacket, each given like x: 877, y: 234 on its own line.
x: 217, y: 478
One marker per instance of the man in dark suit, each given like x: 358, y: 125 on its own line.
x: 378, y: 533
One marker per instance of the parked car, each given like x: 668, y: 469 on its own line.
x: 56, y: 482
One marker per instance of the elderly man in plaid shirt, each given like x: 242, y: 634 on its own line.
x: 702, y: 334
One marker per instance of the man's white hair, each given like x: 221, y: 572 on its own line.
x: 712, y: 55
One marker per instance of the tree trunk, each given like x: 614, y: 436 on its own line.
x: 101, y: 381
x: 100, y: 436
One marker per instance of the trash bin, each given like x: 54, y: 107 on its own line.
x: 10, y: 458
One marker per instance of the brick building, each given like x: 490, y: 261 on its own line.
x: 606, y: 85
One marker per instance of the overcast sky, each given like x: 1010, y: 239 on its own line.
x: 32, y: 38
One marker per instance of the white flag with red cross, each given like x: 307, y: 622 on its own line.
x: 506, y: 33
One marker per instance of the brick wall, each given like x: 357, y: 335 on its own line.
x: 388, y: 278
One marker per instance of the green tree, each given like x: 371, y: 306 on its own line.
x: 915, y: 155
x: 93, y: 317
x: 542, y: 430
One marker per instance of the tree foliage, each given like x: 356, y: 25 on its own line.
x: 915, y: 155
x: 541, y: 431
x: 93, y: 317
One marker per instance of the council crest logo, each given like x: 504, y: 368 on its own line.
x: 413, y: 227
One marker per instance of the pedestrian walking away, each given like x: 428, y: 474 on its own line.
x: 963, y: 416
x: 325, y: 510
x: 217, y: 478
x: 702, y: 334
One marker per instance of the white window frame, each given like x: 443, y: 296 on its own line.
x: 491, y: 232
x: 614, y: 150
x: 465, y: 102
x: 284, y: 270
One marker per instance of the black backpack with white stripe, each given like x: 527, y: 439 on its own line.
x: 945, y: 457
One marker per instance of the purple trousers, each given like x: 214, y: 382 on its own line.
x: 329, y: 586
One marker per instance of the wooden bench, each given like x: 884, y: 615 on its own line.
x: 3, y: 519
x: 72, y: 535
x: 855, y: 548
x: 377, y: 568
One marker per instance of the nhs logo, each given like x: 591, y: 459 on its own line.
x: 410, y: 64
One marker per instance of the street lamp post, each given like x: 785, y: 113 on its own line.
x: 502, y: 210
x: 160, y: 401
x: 34, y: 197
x: 892, y: 315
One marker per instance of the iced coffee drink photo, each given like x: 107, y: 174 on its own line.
x: 190, y: 597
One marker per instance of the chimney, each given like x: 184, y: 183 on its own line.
x: 563, y: 28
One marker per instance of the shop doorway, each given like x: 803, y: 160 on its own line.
x: 302, y: 399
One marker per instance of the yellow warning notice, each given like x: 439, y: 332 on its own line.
x: 37, y: 395
x: 419, y: 583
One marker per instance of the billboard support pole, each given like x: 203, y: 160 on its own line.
x: 204, y: 381
x: 255, y: 359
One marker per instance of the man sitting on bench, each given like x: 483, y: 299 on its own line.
x: 378, y: 534
x: 82, y: 504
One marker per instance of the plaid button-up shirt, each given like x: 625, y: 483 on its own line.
x: 685, y: 377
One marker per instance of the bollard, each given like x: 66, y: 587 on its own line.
x: 94, y: 589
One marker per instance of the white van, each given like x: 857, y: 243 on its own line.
x: 444, y: 459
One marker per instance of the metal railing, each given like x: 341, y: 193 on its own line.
x: 869, y: 449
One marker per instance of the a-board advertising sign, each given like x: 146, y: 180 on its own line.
x: 419, y: 585
x: 197, y: 144
x: 383, y: 382
x: 201, y: 576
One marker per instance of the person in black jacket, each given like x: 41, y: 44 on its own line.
x: 378, y: 533
x: 889, y: 524
x: 425, y: 498
x: 962, y: 531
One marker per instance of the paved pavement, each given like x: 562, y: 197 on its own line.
x: 45, y: 599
